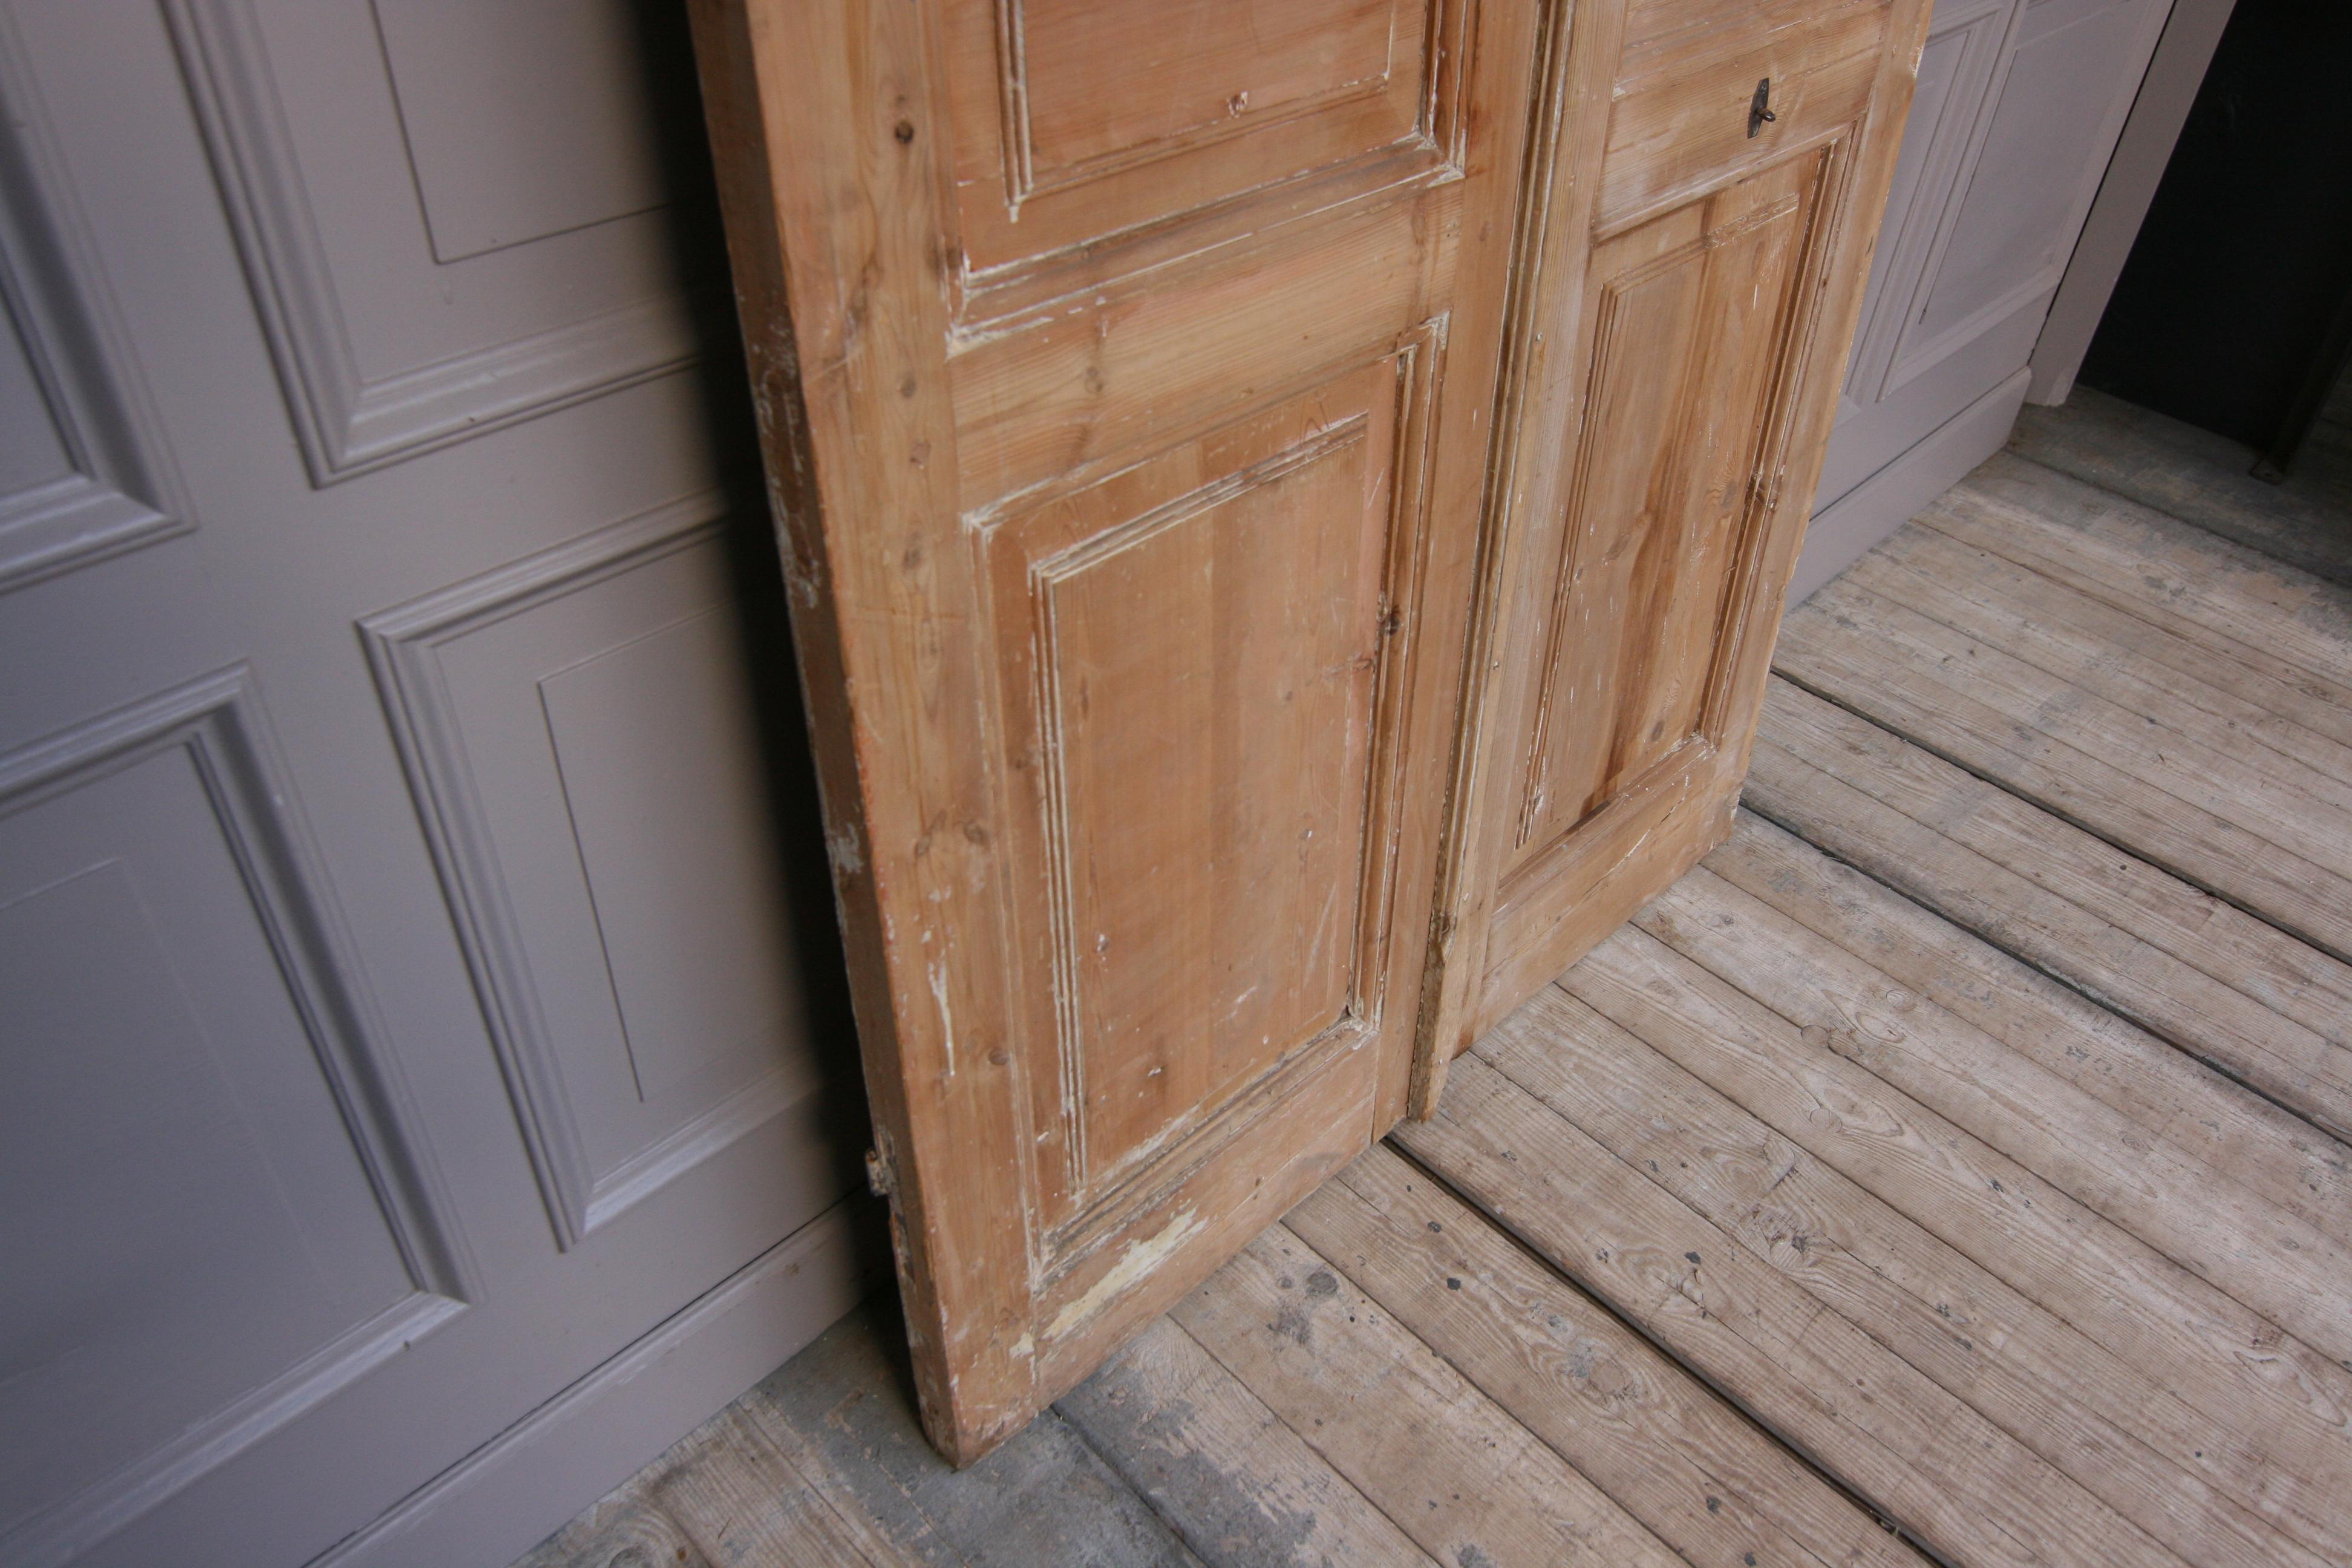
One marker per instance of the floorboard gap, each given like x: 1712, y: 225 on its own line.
x: 1993, y: 940
x: 2144, y: 856
x: 1608, y: 1309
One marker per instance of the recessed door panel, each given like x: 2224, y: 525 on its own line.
x: 204, y: 1240
x: 1693, y: 317
x: 1678, y: 122
x: 1083, y: 122
x: 1194, y: 646
x: 1102, y: 84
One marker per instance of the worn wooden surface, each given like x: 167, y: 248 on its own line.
x: 2195, y: 475
x: 1952, y: 1163
x: 1060, y: 316
x: 1698, y: 274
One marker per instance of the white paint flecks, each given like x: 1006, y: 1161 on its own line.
x: 841, y: 848
x: 939, y: 979
x: 1134, y: 1265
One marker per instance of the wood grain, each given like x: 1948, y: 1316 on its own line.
x: 1891, y: 666
x: 1714, y: 278
x: 1126, y: 413
x: 2187, y: 473
x: 1239, y: 1485
x: 2205, y: 975
x: 2233, y: 601
x: 1964, y: 1488
x: 2216, y: 1122
x: 1923, y: 1158
x: 2103, y: 651
x: 1439, y: 1457
x: 2204, y: 1217
x: 1712, y: 1485
x: 2176, y: 1471
x: 2289, y: 1398
x: 2179, y: 755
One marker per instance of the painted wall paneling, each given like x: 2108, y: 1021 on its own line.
x: 429, y: 1091
x: 84, y: 469
x: 2158, y: 111
x: 2020, y: 105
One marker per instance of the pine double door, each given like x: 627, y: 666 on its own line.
x: 1285, y: 506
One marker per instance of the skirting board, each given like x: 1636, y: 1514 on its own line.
x: 510, y: 1494
x: 1843, y: 531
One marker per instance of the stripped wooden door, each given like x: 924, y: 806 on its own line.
x: 1126, y: 369
x: 1692, y: 279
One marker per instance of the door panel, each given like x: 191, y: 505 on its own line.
x: 1694, y: 314
x: 1127, y: 378
x: 493, y: 285
x: 1669, y: 134
x: 1712, y: 262
x: 1074, y: 122
x: 580, y: 739
x: 2071, y: 64
x: 201, y: 1240
x: 1179, y: 712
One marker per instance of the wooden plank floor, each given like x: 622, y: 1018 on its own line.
x: 1951, y: 1169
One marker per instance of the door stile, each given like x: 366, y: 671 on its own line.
x: 847, y: 243
x: 1540, y: 390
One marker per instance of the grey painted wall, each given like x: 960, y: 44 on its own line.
x: 429, y: 1089
x: 2018, y: 106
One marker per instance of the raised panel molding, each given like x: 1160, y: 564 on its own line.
x: 1961, y: 50
x: 2064, y: 88
x: 1235, y: 115
x: 348, y: 423
x: 216, y: 721
x: 408, y: 649
x: 114, y: 488
x: 1360, y: 99
x: 1697, y: 319
x: 487, y: 180
x: 1064, y: 569
x: 1059, y: 585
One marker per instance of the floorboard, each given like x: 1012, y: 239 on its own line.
x: 2181, y: 961
x: 1238, y: 1483
x: 2085, y: 1411
x: 1957, y: 1482
x: 1951, y: 1168
x: 1433, y: 1450
x: 2191, y: 474
x: 1712, y: 1485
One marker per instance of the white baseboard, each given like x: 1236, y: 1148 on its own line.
x: 510, y: 1493
x: 1843, y: 531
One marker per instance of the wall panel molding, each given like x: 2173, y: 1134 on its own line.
x: 119, y: 490
x: 405, y: 646
x: 1963, y: 46
x: 505, y: 1496
x: 216, y: 720
x: 349, y: 423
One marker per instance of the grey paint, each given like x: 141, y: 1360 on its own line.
x: 2020, y: 103
x: 427, y: 1089
x: 84, y: 471
x: 388, y: 348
